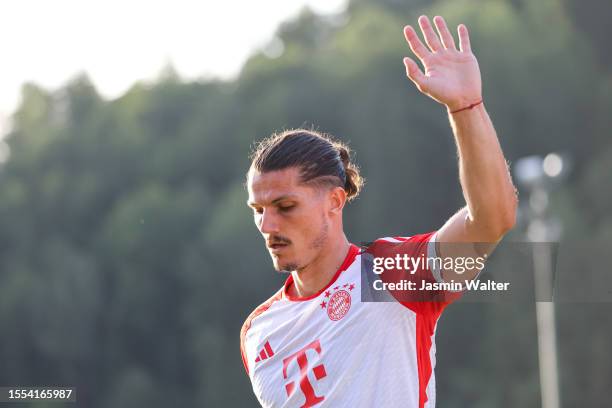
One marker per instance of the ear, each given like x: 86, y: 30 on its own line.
x: 336, y: 199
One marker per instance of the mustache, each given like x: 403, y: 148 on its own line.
x: 278, y: 240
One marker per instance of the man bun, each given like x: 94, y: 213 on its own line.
x: 354, y: 182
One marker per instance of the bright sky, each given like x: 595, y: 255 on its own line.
x: 118, y: 42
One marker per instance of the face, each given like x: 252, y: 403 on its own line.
x: 293, y: 218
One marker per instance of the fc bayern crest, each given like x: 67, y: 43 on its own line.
x: 339, y: 305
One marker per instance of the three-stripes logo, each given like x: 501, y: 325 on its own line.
x: 266, y: 352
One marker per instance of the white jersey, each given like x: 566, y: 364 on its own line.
x: 333, y: 350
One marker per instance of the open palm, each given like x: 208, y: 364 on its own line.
x: 451, y: 76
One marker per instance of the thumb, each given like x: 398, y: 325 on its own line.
x: 414, y: 73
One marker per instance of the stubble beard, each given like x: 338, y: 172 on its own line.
x: 317, y: 243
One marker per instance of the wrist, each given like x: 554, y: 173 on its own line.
x: 462, y: 106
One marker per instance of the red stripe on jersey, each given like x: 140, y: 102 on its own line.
x: 268, y: 349
x: 425, y: 326
x: 427, y: 315
x: 247, y: 324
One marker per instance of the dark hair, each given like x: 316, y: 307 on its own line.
x: 320, y: 159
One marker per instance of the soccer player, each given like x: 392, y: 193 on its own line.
x: 314, y: 342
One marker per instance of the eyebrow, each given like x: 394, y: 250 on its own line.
x: 276, y: 200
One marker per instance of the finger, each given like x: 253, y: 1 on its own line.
x: 431, y: 37
x: 414, y: 73
x: 447, y: 39
x: 415, y: 43
x: 464, y: 38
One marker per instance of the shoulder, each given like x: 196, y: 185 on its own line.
x: 247, y: 323
x: 414, y: 245
x: 417, y: 238
x: 261, y: 309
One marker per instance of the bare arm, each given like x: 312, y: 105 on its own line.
x: 485, y: 180
x: 452, y: 77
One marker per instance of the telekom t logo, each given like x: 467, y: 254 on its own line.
x: 305, y: 385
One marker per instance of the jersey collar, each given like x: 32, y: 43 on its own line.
x: 348, y: 260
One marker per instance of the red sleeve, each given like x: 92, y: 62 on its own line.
x: 412, y: 253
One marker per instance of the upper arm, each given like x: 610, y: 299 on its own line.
x: 460, y: 238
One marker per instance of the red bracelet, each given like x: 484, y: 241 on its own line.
x: 467, y: 107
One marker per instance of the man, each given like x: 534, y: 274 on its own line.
x: 314, y: 342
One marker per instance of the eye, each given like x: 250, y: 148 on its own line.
x: 258, y: 210
x: 285, y: 208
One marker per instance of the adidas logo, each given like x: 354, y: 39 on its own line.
x: 266, y: 352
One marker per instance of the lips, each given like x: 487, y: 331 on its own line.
x: 274, y: 248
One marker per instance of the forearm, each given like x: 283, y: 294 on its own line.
x: 485, y: 180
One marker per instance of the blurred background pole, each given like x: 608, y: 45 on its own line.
x: 539, y: 175
x: 540, y: 235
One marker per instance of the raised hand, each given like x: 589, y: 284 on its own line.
x: 452, y: 76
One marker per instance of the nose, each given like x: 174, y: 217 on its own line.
x: 267, y: 223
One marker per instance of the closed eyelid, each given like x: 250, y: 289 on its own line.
x: 280, y: 206
x: 276, y: 201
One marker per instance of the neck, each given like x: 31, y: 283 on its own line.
x: 316, y: 275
